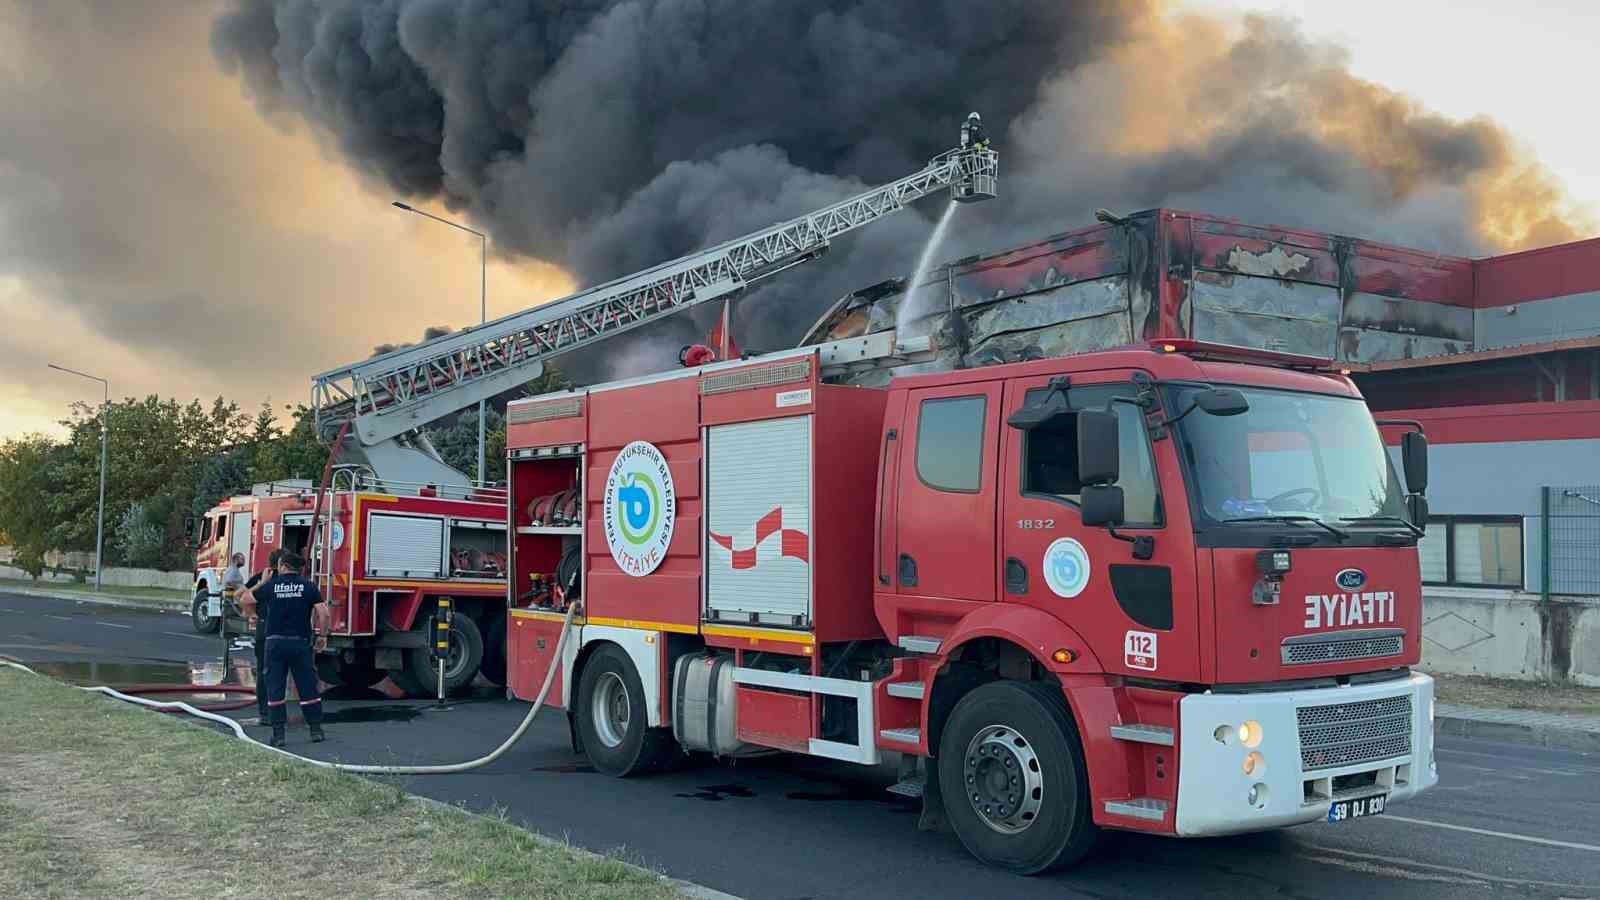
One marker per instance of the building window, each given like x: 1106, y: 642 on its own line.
x: 1474, y: 551
x: 950, y: 444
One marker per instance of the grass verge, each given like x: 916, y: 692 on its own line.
x: 154, y: 596
x: 1504, y: 693
x: 98, y: 799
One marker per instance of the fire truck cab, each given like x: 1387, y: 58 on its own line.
x: 1170, y: 588
x: 272, y: 516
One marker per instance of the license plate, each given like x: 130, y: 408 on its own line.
x: 1356, y: 809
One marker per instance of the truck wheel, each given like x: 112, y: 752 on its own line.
x: 612, y: 721
x: 493, y: 667
x: 1015, y: 786
x: 460, y: 666
x: 200, y: 613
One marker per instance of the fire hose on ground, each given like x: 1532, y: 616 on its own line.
x: 238, y: 730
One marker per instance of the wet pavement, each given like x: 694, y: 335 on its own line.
x: 1506, y: 820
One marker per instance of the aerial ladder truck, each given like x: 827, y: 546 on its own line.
x: 400, y: 531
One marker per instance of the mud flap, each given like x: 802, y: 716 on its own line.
x: 932, y: 817
x: 572, y: 730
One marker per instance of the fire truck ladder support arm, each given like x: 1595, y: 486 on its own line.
x: 388, y: 395
x: 450, y: 769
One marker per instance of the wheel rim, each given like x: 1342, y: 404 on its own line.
x: 1003, y: 780
x: 611, y: 709
x: 455, y: 657
x: 202, y: 611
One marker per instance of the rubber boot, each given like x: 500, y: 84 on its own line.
x: 278, y: 737
x: 317, y: 735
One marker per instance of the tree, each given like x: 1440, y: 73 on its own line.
x: 296, y: 453
x: 223, y: 475
x: 143, y: 540
x: 458, y: 444
x: 26, y: 523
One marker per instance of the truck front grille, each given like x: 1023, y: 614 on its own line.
x: 1305, y: 650
x: 1342, y: 734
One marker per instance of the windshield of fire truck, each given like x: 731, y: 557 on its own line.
x: 1290, y: 454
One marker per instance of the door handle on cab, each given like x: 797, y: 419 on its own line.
x: 1016, y: 576
x: 908, y: 571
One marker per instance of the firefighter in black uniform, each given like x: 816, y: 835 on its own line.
x: 258, y: 624
x: 295, y: 612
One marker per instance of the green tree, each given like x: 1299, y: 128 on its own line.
x: 142, y: 538
x: 26, y: 522
x: 296, y: 453
x: 158, y: 449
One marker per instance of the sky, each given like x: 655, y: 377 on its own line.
x: 165, y: 224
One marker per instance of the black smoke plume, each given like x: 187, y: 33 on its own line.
x: 605, y: 136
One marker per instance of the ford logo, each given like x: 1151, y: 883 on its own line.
x: 1351, y: 579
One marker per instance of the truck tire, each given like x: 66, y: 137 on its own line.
x: 461, y: 666
x: 493, y: 668
x: 612, y: 721
x: 1015, y: 786
x: 200, y: 615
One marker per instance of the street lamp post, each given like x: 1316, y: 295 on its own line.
x: 105, y: 428
x: 483, y: 302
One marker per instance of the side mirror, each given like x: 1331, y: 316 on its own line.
x: 188, y: 526
x: 1417, y: 510
x: 1414, y: 459
x: 1102, y: 505
x: 1221, y: 402
x: 1099, y: 457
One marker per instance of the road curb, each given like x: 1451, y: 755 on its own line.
x: 688, y: 888
x: 1538, y: 735
x: 102, y: 600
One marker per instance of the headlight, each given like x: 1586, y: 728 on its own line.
x: 1250, y: 734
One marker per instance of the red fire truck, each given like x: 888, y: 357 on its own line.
x: 1171, y: 588
x: 390, y: 555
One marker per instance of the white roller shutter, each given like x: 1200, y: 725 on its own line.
x: 758, y: 522
x: 405, y: 547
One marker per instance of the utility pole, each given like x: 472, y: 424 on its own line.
x: 105, y: 430
x: 483, y: 307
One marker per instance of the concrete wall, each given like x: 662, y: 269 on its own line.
x: 114, y: 576
x: 1511, y: 634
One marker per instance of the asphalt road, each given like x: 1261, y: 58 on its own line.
x: 1507, y: 820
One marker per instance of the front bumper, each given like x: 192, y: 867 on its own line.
x: 1296, y: 781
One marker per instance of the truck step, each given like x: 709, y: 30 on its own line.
x: 910, y: 690
x: 1143, y: 734
x: 914, y: 643
x: 912, y: 788
x: 1139, y: 808
x: 908, y: 736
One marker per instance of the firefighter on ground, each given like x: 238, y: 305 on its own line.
x: 258, y: 625
x: 296, y: 626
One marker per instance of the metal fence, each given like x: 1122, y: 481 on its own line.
x: 1571, y: 538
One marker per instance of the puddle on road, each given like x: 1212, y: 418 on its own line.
x: 716, y: 793
x: 386, y: 713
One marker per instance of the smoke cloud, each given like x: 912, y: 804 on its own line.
x: 607, y: 136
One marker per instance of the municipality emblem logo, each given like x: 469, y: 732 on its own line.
x: 640, y: 506
x: 1066, y: 567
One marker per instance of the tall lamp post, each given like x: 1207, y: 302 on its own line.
x: 105, y: 428
x: 483, y: 302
